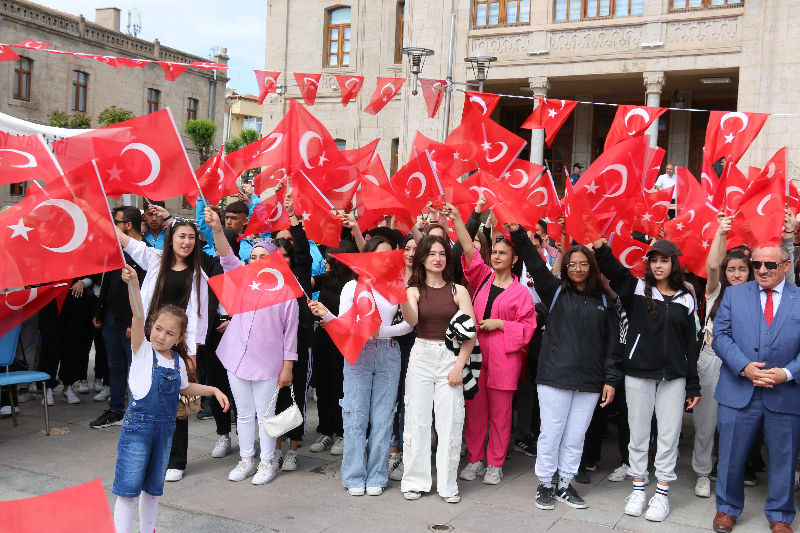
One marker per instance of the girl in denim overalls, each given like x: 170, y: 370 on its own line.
x: 146, y: 436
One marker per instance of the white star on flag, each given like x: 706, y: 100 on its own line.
x: 114, y: 173
x: 705, y: 244
x: 322, y: 159
x: 679, y: 226
x: 358, y: 318
x: 455, y: 155
x: 385, y: 99
x: 592, y: 188
x: 306, y: 216
x: 20, y: 230
x: 255, y: 286
x: 486, y: 146
x: 728, y: 138
x: 647, y: 216
x: 552, y: 113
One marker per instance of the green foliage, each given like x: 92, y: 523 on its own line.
x: 58, y: 119
x: 79, y: 121
x: 114, y: 115
x: 202, y: 133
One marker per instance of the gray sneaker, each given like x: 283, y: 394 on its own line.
x: 338, y: 446
x: 323, y: 443
x: 493, y: 475
x: 473, y: 470
x: 289, y: 461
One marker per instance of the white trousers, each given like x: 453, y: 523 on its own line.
x: 705, y: 413
x: 666, y: 398
x: 252, y: 400
x: 427, y: 392
x: 565, y: 418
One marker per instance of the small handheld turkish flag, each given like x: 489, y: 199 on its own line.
x: 308, y: 85
x: 215, y: 177
x: 267, y: 82
x: 729, y: 134
x: 20, y: 305
x: 26, y: 158
x: 263, y: 283
x: 268, y: 216
x: 349, y: 87
x: 269, y: 178
x: 484, y: 142
x: 549, y: 115
x: 630, y: 253
x: 615, y: 176
x: 320, y: 224
x: 350, y: 331
x: 581, y: 224
x: 415, y: 183
x: 384, y: 271
x: 386, y: 90
x: 763, y: 202
x: 631, y: 121
x: 373, y: 203
x: 478, y: 105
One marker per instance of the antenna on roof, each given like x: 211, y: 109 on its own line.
x: 134, y: 22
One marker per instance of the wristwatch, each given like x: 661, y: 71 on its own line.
x: 741, y: 374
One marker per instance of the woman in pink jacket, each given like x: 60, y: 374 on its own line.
x: 506, y: 320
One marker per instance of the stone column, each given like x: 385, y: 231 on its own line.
x: 654, y: 81
x: 539, y: 85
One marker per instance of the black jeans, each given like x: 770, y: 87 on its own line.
x: 100, y: 356
x: 301, y: 375
x: 328, y: 364
x: 178, y: 455
x: 217, y: 376
x: 64, y: 340
x: 623, y: 429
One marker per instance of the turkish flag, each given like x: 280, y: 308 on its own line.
x: 794, y: 198
x: 207, y: 65
x: 215, y: 177
x: 375, y: 173
x: 268, y: 216
x: 26, y: 158
x: 522, y: 174
x: 309, y: 85
x: 108, y: 60
x: 7, y: 54
x: 631, y: 121
x: 373, y: 203
x: 549, y: 115
x: 709, y: 180
x: 349, y: 86
x: 263, y: 283
x: 351, y: 331
x: 730, y: 133
x: 763, y: 203
x: 478, y: 105
x: 32, y: 45
x: 647, y: 214
x: 61, y: 231
x: 172, y: 70
x: 630, y: 253
x: 581, y: 224
x: 18, y: 306
x: 361, y: 157
x: 383, y: 271
x: 616, y: 176
x: 415, y: 183
x: 130, y: 62
x: 693, y: 232
x: 320, y: 224
x: 445, y: 159
x: 269, y: 178
x: 433, y: 94
x: 653, y: 168
x: 386, y: 90
x: 144, y: 156
x: 478, y: 184
x: 487, y: 144
x: 690, y: 192
x: 60, y: 52
x: 731, y: 189
x: 267, y: 82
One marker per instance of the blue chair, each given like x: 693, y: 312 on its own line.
x: 8, y: 347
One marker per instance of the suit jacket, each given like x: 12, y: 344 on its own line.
x: 741, y: 336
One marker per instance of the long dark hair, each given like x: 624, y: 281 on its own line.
x: 339, y: 274
x: 376, y: 241
x: 723, y: 278
x: 288, y: 246
x: 168, y: 260
x: 424, y: 246
x: 594, y: 282
x: 181, y: 348
x: 675, y: 281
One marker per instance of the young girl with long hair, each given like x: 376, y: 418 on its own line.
x: 506, y: 324
x: 435, y: 374
x: 160, y: 372
x: 660, y: 363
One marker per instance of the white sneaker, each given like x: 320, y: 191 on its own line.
x: 49, y: 396
x: 356, y: 491
x: 472, y: 470
x: 395, y: 460
x: 277, y: 459
x: 659, y: 508
x: 634, y: 504
x: 25, y: 397
x: 323, y: 443
x: 265, y: 473
x: 455, y: 498
x: 397, y: 473
x: 104, y: 394
x: 338, y: 446
x: 83, y: 386
x: 6, y: 410
x: 222, y: 447
x: 374, y: 491
x: 289, y: 461
x: 493, y: 475
x: 412, y: 495
x: 703, y: 487
x: 245, y: 469
x: 98, y: 385
x: 621, y: 474
x: 69, y: 395
x: 173, y: 474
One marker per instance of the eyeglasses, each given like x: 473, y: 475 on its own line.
x: 770, y: 265
x: 572, y: 267
x: 191, y: 221
x: 120, y: 221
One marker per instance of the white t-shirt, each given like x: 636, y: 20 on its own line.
x: 665, y: 181
x: 711, y: 299
x: 524, y: 279
x: 141, y: 375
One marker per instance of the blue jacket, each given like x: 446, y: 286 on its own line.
x: 741, y: 336
x: 245, y: 245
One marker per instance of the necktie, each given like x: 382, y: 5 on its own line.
x: 768, y: 307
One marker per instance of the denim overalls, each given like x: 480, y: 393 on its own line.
x: 146, y: 436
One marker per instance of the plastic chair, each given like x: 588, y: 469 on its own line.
x: 8, y: 347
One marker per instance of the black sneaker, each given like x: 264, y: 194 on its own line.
x: 205, y: 413
x: 570, y: 496
x: 758, y: 465
x: 583, y: 477
x: 750, y: 479
x: 591, y: 467
x: 526, y: 445
x: 107, y: 419
x: 544, y: 498
x: 713, y: 475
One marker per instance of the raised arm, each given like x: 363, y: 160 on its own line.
x: 410, y: 309
x: 463, y: 235
x: 717, y: 252
x: 220, y: 242
x: 545, y: 283
x: 205, y: 229
x: 620, y: 278
x: 349, y: 221
x: 130, y: 277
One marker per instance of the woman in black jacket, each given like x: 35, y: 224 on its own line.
x: 578, y: 362
x: 660, y: 364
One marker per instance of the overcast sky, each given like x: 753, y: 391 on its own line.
x: 195, y: 27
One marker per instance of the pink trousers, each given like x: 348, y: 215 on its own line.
x: 492, y: 408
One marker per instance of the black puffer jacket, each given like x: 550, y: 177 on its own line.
x: 662, y: 348
x: 580, y: 348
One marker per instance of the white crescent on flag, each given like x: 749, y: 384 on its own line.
x: 367, y: 295
x: 498, y: 156
x: 623, y: 257
x: 623, y: 171
x: 155, y: 162
x: 31, y: 297
x: 522, y: 182
x: 422, y: 182
x: 278, y: 276
x: 78, y: 219
x: 478, y: 100
x: 636, y: 111
x: 303, y: 146
x: 736, y: 114
x: 31, y: 160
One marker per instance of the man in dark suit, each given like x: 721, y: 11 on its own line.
x: 757, y: 336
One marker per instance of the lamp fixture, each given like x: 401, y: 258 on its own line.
x: 417, y: 57
x: 479, y: 61
x: 715, y: 80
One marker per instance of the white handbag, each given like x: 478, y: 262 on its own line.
x: 284, y: 422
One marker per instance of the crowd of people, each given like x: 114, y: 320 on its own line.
x: 508, y: 340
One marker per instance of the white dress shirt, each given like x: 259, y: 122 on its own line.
x: 777, y: 292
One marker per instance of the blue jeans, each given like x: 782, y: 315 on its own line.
x: 399, y: 416
x: 370, y: 398
x: 118, y: 350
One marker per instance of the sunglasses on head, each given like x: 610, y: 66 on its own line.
x: 501, y: 238
x: 176, y: 220
x: 770, y: 265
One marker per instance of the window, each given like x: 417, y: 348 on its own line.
x: 153, y: 97
x: 22, y: 79
x: 17, y: 189
x: 252, y: 123
x: 498, y: 12
x: 573, y: 10
x: 191, y: 109
x: 629, y: 8
x: 341, y: 144
x: 395, y: 157
x: 401, y: 19
x: 339, y: 37
x: 699, y: 4
x: 80, y: 81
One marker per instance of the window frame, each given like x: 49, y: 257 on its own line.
x: 704, y: 4
x: 19, y: 74
x: 17, y: 189
x: 76, y: 91
x: 191, y: 112
x: 401, y: 21
x: 612, y: 10
x: 257, y: 127
x: 340, y: 40
x: 502, y: 13
x: 153, y: 104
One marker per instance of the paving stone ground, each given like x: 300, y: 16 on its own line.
x: 312, y: 499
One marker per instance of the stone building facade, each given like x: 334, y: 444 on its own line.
x: 701, y: 54
x: 53, y: 80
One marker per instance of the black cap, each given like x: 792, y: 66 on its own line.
x: 667, y: 248
x: 577, y: 165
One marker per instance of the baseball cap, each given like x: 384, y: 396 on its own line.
x: 577, y: 165
x: 667, y: 248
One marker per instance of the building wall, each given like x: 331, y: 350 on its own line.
x: 240, y: 108
x: 51, y: 78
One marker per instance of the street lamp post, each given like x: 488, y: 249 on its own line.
x: 417, y: 57
x: 479, y: 61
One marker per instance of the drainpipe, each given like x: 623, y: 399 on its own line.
x: 212, y: 87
